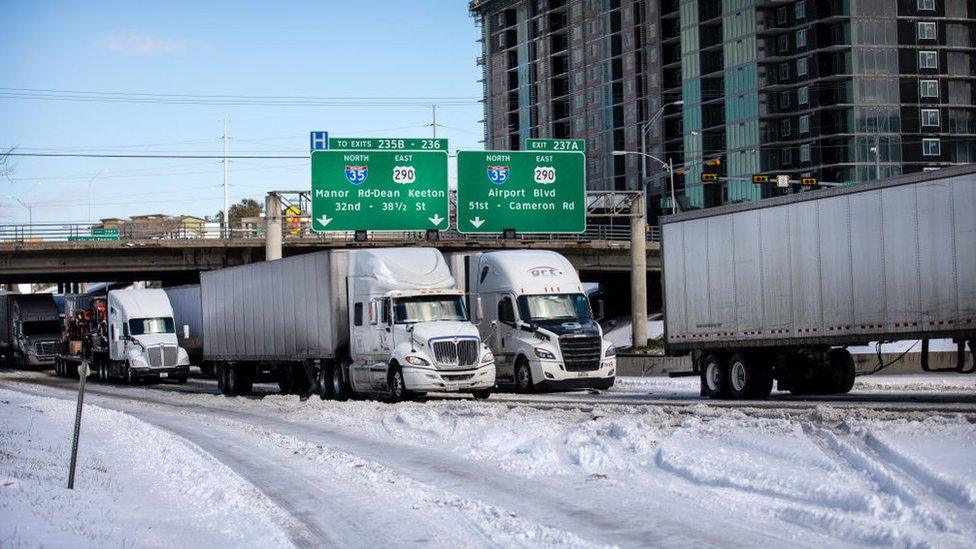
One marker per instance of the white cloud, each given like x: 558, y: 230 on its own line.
x: 131, y: 43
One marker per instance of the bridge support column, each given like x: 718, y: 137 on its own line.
x: 272, y: 227
x: 638, y: 271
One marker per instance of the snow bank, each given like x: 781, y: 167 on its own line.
x: 135, y: 485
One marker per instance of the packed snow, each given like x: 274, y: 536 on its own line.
x: 516, y: 474
x: 135, y: 485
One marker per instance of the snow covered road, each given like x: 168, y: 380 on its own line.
x: 458, y: 472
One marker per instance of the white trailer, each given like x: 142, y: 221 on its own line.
x: 373, y: 321
x: 537, y: 320
x: 778, y: 288
x: 142, y: 340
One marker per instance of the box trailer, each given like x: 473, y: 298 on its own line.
x: 387, y: 321
x: 188, y: 316
x: 777, y: 289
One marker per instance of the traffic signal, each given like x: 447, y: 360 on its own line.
x: 807, y: 181
x: 709, y: 177
x: 714, y: 162
x: 760, y: 179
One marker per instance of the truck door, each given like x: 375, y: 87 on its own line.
x: 505, y: 338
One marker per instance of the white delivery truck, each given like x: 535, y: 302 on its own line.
x: 142, y: 340
x: 372, y: 321
x: 537, y: 320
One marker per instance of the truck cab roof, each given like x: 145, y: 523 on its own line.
x: 527, y: 272
x: 140, y: 303
x: 408, y: 271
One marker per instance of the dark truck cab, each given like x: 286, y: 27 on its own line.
x: 30, y: 329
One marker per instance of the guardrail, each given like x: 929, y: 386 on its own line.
x: 292, y: 231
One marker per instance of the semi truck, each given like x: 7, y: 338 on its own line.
x: 537, y: 320
x: 132, y: 337
x: 188, y: 316
x: 341, y: 322
x: 777, y: 289
x: 85, y: 332
x: 30, y: 328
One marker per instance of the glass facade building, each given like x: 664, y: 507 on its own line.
x: 844, y: 91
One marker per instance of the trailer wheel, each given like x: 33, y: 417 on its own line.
x: 398, y: 389
x: 340, y: 387
x: 481, y: 394
x: 229, y: 379
x: 749, y: 377
x: 323, y: 382
x: 244, y: 379
x: 715, y: 377
x: 841, y: 376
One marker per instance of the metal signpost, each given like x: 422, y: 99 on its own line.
x: 379, y: 190
x: 559, y: 145
x: 82, y: 376
x: 530, y: 192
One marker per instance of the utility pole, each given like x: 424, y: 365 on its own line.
x: 226, y: 196
x: 433, y: 123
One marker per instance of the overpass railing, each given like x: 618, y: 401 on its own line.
x: 293, y: 230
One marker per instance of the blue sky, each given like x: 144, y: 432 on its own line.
x: 308, y: 49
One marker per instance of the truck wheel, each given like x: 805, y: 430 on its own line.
x: 340, y: 387
x: 715, y: 377
x: 749, y: 377
x: 481, y: 394
x: 244, y: 379
x: 323, y: 382
x: 841, y: 371
x: 398, y: 389
x: 523, y: 376
x: 229, y: 378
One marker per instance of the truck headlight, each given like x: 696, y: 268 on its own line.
x: 542, y: 353
x: 488, y: 357
x: 417, y: 361
x: 611, y: 351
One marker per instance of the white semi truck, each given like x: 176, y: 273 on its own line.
x: 371, y: 321
x: 537, y: 320
x: 142, y: 340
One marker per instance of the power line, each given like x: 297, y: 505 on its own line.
x: 175, y: 156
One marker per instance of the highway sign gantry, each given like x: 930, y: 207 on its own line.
x: 531, y: 192
x: 373, y: 190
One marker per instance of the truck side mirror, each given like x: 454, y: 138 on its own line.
x: 599, y: 310
x: 479, y: 309
x: 186, y: 331
x: 373, y: 313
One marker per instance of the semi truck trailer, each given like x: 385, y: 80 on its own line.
x: 371, y: 321
x: 188, y: 316
x: 777, y: 289
x: 537, y: 320
x: 30, y: 329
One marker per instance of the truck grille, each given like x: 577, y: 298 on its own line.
x: 580, y: 353
x: 161, y: 356
x: 46, y: 348
x: 456, y: 353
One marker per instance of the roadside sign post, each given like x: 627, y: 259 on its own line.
x: 530, y: 192
x: 82, y: 376
x: 380, y: 190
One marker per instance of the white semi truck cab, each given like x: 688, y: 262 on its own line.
x: 142, y: 338
x: 537, y: 320
x: 409, y: 329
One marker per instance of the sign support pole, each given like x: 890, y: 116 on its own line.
x: 272, y: 227
x: 82, y: 376
x: 638, y: 270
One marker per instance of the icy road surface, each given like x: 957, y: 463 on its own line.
x: 274, y: 471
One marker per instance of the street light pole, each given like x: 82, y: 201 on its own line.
x: 644, y: 129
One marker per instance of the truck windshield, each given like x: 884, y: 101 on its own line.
x: 41, y: 327
x: 161, y: 325
x: 429, y: 308
x: 533, y: 308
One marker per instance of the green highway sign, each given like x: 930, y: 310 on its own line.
x: 388, y: 143
x: 555, y: 145
x: 379, y: 190
x: 531, y: 192
x: 96, y: 234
